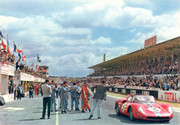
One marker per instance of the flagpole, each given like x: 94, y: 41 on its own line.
x: 22, y: 56
x: 13, y: 50
x: 7, y: 44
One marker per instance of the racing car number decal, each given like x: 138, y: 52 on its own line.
x: 155, y: 110
x: 123, y: 108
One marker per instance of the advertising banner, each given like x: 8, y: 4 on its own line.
x: 149, y: 42
x: 35, y: 78
x: 7, y: 69
x: 22, y: 78
x: 39, y: 79
x: 11, y: 70
x: 172, y: 96
x: 4, y: 68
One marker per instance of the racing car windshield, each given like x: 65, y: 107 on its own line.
x: 144, y: 99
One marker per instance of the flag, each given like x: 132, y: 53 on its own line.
x: 24, y: 58
x: 3, y: 41
x: 19, y: 57
x: 38, y: 58
x: 8, y: 50
x: 1, y: 34
x: 19, y: 51
x: 15, y: 47
x: 38, y: 68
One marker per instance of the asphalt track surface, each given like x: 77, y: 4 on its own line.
x: 28, y: 112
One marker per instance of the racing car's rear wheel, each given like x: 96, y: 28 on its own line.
x: 117, y: 110
x: 131, y: 117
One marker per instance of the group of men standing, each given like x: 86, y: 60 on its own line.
x: 51, y: 92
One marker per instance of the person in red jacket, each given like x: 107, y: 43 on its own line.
x: 84, y: 96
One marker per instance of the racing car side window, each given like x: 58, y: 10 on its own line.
x: 130, y: 99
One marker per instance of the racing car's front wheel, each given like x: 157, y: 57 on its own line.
x: 131, y: 117
x: 117, y: 110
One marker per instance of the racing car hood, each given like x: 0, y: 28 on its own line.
x: 155, y: 109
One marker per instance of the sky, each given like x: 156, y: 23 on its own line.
x: 71, y: 35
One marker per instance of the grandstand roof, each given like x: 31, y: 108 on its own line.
x: 165, y: 49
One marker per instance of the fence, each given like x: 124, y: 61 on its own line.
x: 172, y: 96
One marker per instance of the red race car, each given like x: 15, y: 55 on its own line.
x: 143, y: 107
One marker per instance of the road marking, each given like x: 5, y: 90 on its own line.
x: 175, y: 109
x: 57, y: 119
x: 114, y: 96
x: 14, y: 109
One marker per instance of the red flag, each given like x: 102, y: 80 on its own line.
x: 8, y: 51
x: 24, y: 58
x: 19, y: 51
x: 38, y: 68
x: 3, y: 42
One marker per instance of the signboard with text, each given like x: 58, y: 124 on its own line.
x: 35, y: 78
x: 172, y: 96
x: 11, y: 70
x: 7, y: 69
x: 149, y: 42
x: 4, y: 68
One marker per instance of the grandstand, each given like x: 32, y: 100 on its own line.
x: 162, y: 58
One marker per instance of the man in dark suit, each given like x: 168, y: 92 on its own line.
x: 99, y: 95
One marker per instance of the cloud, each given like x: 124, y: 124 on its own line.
x: 5, y: 20
x: 69, y: 36
x: 57, y: 47
x: 165, y: 27
x: 76, y: 61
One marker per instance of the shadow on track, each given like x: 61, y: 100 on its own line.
x: 39, y: 107
x: 74, y: 112
x: 31, y: 119
x: 125, y: 119
x: 38, y: 112
x: 84, y: 119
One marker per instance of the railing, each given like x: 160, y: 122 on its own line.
x: 172, y: 96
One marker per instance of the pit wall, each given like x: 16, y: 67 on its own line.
x: 171, y: 96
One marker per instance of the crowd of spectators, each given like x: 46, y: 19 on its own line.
x: 166, y: 83
x: 23, y: 68
x: 4, y: 56
x: 148, y: 67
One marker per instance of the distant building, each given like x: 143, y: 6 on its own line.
x: 44, y: 70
